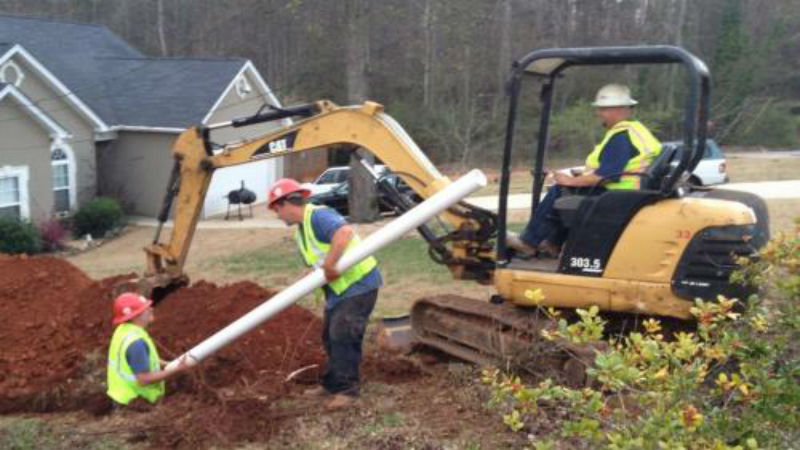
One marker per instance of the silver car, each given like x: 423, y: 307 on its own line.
x: 712, y: 169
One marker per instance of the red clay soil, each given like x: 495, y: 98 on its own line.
x: 52, y: 316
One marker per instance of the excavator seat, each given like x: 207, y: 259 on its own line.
x: 569, y: 205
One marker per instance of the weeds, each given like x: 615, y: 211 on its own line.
x: 25, y: 434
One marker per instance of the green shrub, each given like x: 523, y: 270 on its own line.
x: 729, y: 385
x: 97, y: 217
x: 18, y: 236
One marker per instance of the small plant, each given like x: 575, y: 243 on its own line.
x: 53, y: 233
x: 97, y: 217
x: 732, y: 384
x: 18, y: 236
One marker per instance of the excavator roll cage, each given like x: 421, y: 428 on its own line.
x: 548, y: 66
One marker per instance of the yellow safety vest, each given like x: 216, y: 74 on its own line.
x: 642, y: 139
x: 122, y: 384
x: 314, y: 253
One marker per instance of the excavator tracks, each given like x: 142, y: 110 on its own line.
x: 501, y: 335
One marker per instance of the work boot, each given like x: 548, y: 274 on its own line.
x: 513, y: 241
x: 549, y: 250
x: 340, y: 401
x: 318, y: 391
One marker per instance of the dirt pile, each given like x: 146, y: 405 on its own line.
x: 52, y: 315
x: 55, y: 325
x: 286, y: 342
x: 40, y: 326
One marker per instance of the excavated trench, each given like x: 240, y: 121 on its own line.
x: 55, y: 325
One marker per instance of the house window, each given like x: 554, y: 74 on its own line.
x: 61, y: 180
x: 14, y: 192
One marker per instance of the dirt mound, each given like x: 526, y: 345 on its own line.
x: 286, y: 342
x: 55, y: 325
x: 38, y: 298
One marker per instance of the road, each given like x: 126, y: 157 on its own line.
x: 262, y: 219
x: 765, y: 189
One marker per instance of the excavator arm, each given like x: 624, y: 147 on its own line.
x: 466, y: 248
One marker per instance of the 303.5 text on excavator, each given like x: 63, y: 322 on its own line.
x: 632, y: 253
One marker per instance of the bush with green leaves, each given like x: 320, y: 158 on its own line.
x: 18, y: 236
x: 734, y: 383
x: 97, y: 217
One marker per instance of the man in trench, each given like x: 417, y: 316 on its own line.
x: 322, y: 237
x: 134, y: 368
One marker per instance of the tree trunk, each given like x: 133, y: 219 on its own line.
x: 673, y: 75
x: 427, y: 63
x: 162, y: 40
x: 362, y: 196
x: 504, y: 56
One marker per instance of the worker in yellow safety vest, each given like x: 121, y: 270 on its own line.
x: 134, y: 368
x: 322, y: 237
x: 627, y: 147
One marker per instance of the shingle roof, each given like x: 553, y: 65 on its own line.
x: 118, y: 82
x: 169, y: 92
x: 68, y: 50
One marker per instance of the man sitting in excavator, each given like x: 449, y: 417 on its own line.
x: 627, y: 147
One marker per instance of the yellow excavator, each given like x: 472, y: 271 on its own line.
x: 633, y: 254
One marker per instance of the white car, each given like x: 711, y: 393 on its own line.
x: 712, y: 169
x: 334, y: 176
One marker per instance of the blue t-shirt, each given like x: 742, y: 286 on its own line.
x: 138, y: 356
x: 615, y: 155
x: 325, y: 222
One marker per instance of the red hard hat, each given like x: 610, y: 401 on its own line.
x: 129, y: 305
x: 283, y: 188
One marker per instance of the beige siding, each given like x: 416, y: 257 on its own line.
x: 135, y: 169
x: 62, y: 112
x: 24, y: 142
x: 304, y: 166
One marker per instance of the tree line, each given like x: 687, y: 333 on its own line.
x: 440, y: 65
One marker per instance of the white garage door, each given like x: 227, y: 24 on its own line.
x: 257, y: 176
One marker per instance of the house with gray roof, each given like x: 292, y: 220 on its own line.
x: 82, y: 114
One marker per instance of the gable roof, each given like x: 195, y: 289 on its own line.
x: 55, y: 130
x: 117, y: 82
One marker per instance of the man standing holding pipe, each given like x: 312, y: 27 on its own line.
x: 323, y: 236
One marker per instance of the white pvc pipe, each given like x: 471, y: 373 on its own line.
x: 420, y: 214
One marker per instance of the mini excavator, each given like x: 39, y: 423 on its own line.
x: 632, y: 253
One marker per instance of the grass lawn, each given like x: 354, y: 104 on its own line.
x: 407, y: 270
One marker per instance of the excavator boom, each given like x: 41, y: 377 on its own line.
x: 323, y: 125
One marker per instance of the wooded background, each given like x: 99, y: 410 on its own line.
x: 439, y: 66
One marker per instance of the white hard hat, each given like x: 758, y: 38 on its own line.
x: 613, y: 95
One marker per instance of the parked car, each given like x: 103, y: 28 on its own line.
x: 336, y: 198
x: 712, y: 169
x: 334, y: 176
